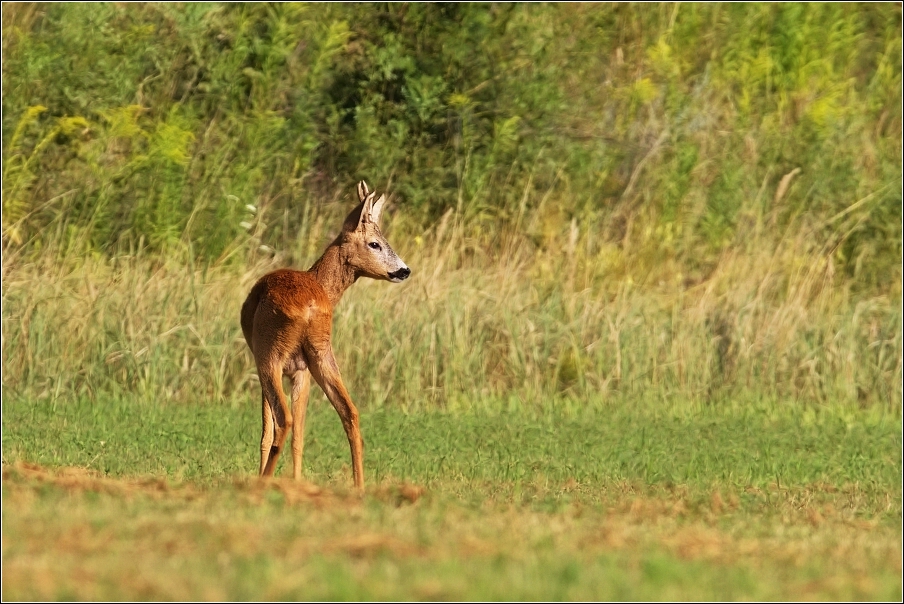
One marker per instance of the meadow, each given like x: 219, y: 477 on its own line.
x: 651, y: 347
x: 118, y: 500
x: 497, y: 476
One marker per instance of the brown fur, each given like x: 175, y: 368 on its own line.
x: 287, y: 322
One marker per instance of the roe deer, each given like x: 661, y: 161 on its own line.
x: 287, y: 321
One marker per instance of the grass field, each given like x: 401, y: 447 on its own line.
x: 652, y: 347
x: 117, y: 499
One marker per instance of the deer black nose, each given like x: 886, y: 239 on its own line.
x: 400, y: 274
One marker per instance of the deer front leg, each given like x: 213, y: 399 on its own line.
x: 275, y: 401
x: 266, y: 433
x: 326, y: 372
x: 301, y: 387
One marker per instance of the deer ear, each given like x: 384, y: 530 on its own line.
x: 362, y: 191
x: 361, y: 213
x: 377, y: 210
x: 366, y: 209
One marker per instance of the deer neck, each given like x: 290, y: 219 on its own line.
x: 334, y: 273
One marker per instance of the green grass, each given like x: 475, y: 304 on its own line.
x: 738, y: 446
x: 741, y: 501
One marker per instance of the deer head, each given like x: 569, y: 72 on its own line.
x: 363, y: 245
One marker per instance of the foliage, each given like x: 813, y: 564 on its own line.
x: 598, y: 201
x: 664, y: 127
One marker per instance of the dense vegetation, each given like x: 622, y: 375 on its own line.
x: 670, y: 200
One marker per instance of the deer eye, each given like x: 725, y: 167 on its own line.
x: 374, y: 245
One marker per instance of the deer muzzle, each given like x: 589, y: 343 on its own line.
x: 400, y: 275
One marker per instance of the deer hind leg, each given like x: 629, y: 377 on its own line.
x: 301, y: 387
x: 326, y: 372
x: 280, y: 418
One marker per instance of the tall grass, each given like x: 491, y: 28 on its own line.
x: 477, y: 321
